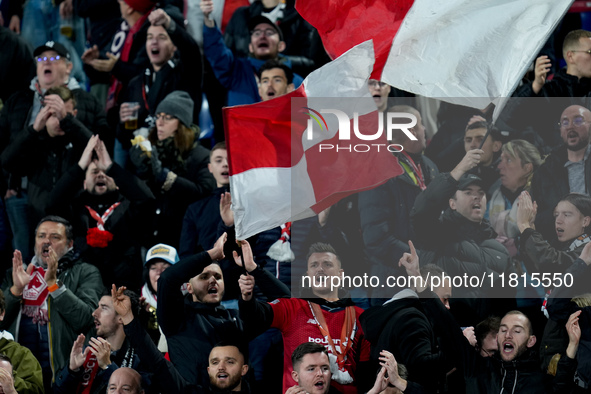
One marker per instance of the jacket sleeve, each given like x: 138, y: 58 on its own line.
x: 170, y: 311
x: 199, y: 182
x: 377, y: 213
x: 189, y: 234
x: 542, y: 255
x: 563, y: 382
x: 13, y: 303
x: 62, y: 195
x: 219, y: 56
x: 560, y: 306
x: 76, y: 306
x: 24, y: 154
x: 164, y: 373
x: 130, y: 186
x: 256, y: 315
x: 429, y: 203
x: 66, y: 381
x: 270, y: 286
x: 29, y: 378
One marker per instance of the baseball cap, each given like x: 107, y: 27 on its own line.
x: 52, y: 46
x: 469, y: 179
x: 257, y: 20
x: 162, y: 252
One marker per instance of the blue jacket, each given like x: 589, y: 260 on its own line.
x: 236, y: 74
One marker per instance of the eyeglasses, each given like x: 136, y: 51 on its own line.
x: 267, y: 32
x: 587, y: 51
x: 166, y: 117
x: 577, y: 122
x: 373, y: 84
x: 50, y: 59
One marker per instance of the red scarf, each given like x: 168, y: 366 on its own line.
x: 34, y: 295
x: 98, y: 237
x: 116, y: 86
x: 90, y: 369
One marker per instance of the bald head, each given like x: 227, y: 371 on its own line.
x: 125, y: 380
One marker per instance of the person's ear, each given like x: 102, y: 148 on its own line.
x: 250, y: 48
x: 189, y: 288
x: 452, y: 204
x: 244, y: 369
x: 295, y: 376
x: 586, y: 221
x: 281, y: 46
x: 290, y: 87
x: 497, y: 145
x: 531, y: 341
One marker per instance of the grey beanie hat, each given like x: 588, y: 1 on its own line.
x: 178, y: 104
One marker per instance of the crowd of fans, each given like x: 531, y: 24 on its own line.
x: 126, y: 274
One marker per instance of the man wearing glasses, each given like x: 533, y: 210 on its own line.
x: 566, y: 170
x: 238, y: 75
x: 53, y: 69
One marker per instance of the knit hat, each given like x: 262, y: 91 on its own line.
x: 52, y: 46
x: 141, y: 6
x: 162, y: 252
x: 179, y: 105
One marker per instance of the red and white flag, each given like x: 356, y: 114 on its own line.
x: 469, y: 52
x: 283, y: 169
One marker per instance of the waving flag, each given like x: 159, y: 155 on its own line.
x: 469, y: 52
x: 287, y: 159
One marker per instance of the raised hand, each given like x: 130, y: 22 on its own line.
x: 574, y: 334
x: 90, y: 54
x: 159, y: 17
x: 225, y: 209
x: 217, y: 252
x: 388, y: 361
x: 52, y: 263
x: 381, y: 382
x: 104, y: 159
x: 102, y: 350
x: 470, y: 335
x: 526, y: 211
x: 122, y: 304
x: 20, y: 278
x: 56, y: 105
x: 246, y: 284
x: 207, y: 9
x: 541, y: 68
x: 247, y: 256
x: 469, y: 161
x: 78, y: 355
x: 7, y: 382
x: 86, y: 157
x: 41, y: 119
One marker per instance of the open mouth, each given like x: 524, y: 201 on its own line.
x: 222, y: 376
x: 47, y: 71
x: 263, y: 45
x: 319, y: 384
x: 155, y: 51
x: 476, y: 206
x: 45, y: 250
x: 101, y: 184
x: 212, y: 290
x: 508, y: 347
x: 225, y: 173
x: 559, y: 232
x: 96, y: 323
x: 271, y: 93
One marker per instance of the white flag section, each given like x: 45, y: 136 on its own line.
x: 469, y: 52
x: 264, y: 195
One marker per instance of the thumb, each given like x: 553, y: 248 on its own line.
x: 30, y: 269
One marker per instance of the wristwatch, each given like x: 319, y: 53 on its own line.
x: 55, y: 286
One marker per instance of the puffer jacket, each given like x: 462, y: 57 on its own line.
x: 457, y: 245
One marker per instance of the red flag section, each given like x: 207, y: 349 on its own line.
x: 344, y: 24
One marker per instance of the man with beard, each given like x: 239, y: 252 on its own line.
x: 56, y: 291
x: 516, y: 367
x: 107, y: 350
x: 226, y: 362
x: 326, y: 316
x: 109, y: 215
x: 566, y: 170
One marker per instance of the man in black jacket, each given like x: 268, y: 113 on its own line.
x: 193, y: 324
x: 110, y: 215
x: 459, y: 240
x: 385, y: 210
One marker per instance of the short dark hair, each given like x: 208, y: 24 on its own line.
x: 528, y: 324
x: 64, y: 93
x: 219, y: 145
x: 320, y: 247
x: 241, y: 346
x: 306, y: 348
x: 273, y: 63
x: 61, y: 220
x: 493, y: 132
x: 134, y: 298
x: 571, y: 40
x: 430, y: 271
x: 490, y: 325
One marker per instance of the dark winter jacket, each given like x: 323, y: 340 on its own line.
x: 549, y: 185
x: 454, y: 243
x: 192, y: 328
x: 302, y: 44
x: 420, y: 333
x: 121, y: 261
